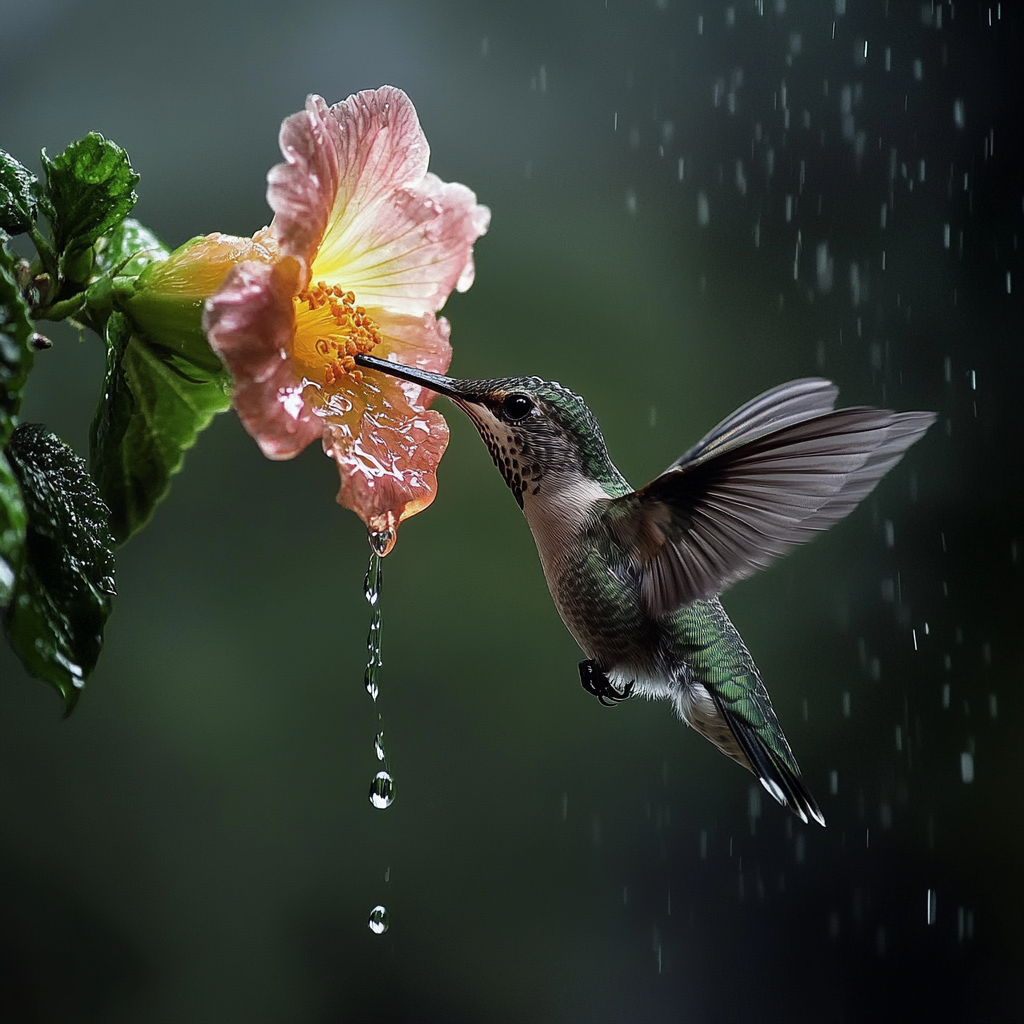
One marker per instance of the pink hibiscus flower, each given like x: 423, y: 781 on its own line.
x: 369, y: 246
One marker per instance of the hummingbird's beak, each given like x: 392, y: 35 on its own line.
x: 436, y: 382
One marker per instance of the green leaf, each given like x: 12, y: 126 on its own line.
x: 13, y: 520
x: 65, y: 588
x: 91, y: 186
x: 15, y: 350
x: 128, y: 248
x: 19, y: 195
x: 155, y: 403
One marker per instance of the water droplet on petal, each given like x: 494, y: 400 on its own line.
x: 378, y: 923
x: 382, y: 790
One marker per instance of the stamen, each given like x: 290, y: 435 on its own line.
x: 354, y: 332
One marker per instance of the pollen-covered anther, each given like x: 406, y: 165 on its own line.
x: 349, y: 331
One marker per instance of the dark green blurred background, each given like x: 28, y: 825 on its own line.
x: 690, y: 204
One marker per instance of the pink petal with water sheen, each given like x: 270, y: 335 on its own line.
x: 250, y: 323
x: 355, y: 200
x: 302, y: 191
x: 420, y: 341
x: 417, y: 249
x: 388, y: 470
x: 387, y: 447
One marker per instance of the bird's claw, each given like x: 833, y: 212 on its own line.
x: 597, y: 683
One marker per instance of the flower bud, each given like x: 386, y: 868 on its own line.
x: 165, y: 302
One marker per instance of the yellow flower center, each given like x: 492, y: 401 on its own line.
x: 330, y: 330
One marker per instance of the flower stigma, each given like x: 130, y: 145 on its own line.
x: 330, y: 330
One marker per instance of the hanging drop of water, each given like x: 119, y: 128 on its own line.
x: 382, y: 541
x: 378, y: 923
x: 378, y: 745
x: 382, y: 790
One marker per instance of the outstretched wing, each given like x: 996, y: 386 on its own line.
x: 771, y: 476
x: 777, y: 408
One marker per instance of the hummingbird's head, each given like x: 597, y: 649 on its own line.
x: 535, y: 430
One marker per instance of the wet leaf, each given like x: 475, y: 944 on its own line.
x: 129, y: 241
x: 91, y: 189
x: 65, y: 587
x: 19, y: 195
x: 15, y: 351
x: 155, y: 403
x: 13, y: 520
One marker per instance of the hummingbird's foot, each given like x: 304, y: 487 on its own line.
x: 596, y: 682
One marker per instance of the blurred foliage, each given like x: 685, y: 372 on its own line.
x: 56, y: 547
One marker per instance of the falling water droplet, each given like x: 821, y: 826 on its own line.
x: 373, y: 639
x: 930, y: 907
x: 378, y: 923
x: 382, y: 790
x: 371, y: 585
x: 959, y: 114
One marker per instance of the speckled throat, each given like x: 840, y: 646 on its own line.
x: 509, y: 449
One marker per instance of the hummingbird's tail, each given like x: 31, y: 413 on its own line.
x: 720, y: 694
x: 783, y: 780
x: 736, y: 737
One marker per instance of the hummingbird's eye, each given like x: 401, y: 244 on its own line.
x: 516, y: 406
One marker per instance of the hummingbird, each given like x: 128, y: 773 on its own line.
x: 636, y: 574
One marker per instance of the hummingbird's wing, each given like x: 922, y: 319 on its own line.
x: 781, y: 406
x: 771, y: 476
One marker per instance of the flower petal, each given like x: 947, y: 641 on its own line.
x: 388, y: 469
x: 250, y: 323
x: 410, y: 252
x: 355, y: 202
x: 420, y: 341
x: 416, y: 249
x: 386, y: 446
x: 302, y: 191
x: 342, y: 160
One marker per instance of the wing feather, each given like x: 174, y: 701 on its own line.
x: 776, y: 408
x: 778, y: 471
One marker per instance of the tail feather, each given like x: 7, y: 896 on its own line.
x: 778, y: 778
